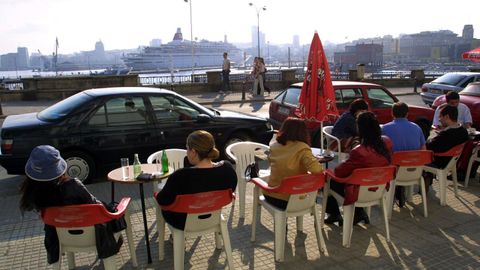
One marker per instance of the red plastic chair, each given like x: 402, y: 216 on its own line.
x: 372, y: 182
x: 303, y: 191
x: 441, y: 174
x: 409, y: 173
x: 76, y: 231
x: 204, y: 215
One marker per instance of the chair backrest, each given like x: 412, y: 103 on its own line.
x: 330, y: 138
x: 410, y: 164
x: 372, y: 182
x: 203, y: 209
x: 243, y: 154
x: 454, y: 152
x: 302, y: 190
x: 175, y: 157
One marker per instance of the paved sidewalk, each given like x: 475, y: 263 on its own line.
x: 448, y: 239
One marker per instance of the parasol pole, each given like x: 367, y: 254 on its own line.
x: 321, y: 136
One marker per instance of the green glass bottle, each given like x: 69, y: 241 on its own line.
x: 164, y: 162
x: 137, y: 167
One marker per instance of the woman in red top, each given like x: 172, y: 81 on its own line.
x: 374, y: 150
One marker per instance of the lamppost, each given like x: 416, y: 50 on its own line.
x: 258, y: 24
x: 191, y: 36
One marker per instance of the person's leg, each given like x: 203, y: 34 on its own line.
x: 260, y: 79
x: 276, y: 202
x: 332, y: 205
x: 255, y: 83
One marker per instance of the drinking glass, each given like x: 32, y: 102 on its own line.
x: 158, y: 162
x: 125, y: 168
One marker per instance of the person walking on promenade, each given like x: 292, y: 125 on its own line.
x: 46, y: 185
x: 263, y: 75
x: 225, y: 74
x: 405, y: 136
x: 374, y: 150
x: 451, y: 135
x: 290, y: 154
x: 204, y: 176
x: 257, y: 72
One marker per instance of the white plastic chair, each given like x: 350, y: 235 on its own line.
x: 473, y: 157
x: 303, y: 191
x: 372, y: 182
x: 204, y: 215
x: 243, y: 154
x: 175, y: 160
x: 409, y: 173
x: 327, y: 131
x: 76, y: 230
x: 441, y: 174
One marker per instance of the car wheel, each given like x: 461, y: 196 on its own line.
x: 237, y: 137
x: 80, y: 166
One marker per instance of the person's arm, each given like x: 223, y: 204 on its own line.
x: 436, y: 122
x: 309, y: 161
x: 171, y: 189
x: 467, y: 121
x: 439, y: 143
x: 353, y: 162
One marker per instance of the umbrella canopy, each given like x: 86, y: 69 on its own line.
x: 317, y: 99
x: 473, y: 55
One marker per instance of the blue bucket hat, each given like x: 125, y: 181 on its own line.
x: 45, y: 164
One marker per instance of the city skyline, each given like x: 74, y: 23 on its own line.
x: 128, y: 24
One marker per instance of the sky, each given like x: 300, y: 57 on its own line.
x: 127, y: 24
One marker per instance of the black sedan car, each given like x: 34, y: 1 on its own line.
x: 95, y: 128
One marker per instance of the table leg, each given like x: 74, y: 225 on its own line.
x: 113, y: 191
x: 145, y: 226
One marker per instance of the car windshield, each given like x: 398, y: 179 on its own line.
x: 64, y: 107
x: 471, y: 90
x: 450, y: 79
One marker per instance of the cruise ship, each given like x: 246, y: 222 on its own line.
x: 177, y: 55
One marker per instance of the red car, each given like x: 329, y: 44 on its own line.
x: 379, y: 99
x: 469, y: 96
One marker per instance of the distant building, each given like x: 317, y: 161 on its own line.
x: 296, y: 42
x: 467, y: 31
x: 22, y: 58
x: 255, y: 39
x: 9, y: 61
x: 371, y: 55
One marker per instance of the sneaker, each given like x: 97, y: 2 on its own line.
x: 334, y: 218
x: 361, y: 216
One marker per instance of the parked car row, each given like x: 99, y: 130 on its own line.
x: 95, y: 128
x: 453, y: 81
x: 380, y: 102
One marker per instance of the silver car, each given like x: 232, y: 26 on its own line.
x: 454, y: 81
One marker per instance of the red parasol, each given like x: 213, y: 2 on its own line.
x: 317, y: 99
x: 473, y: 55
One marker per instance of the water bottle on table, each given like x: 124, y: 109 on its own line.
x: 137, y: 167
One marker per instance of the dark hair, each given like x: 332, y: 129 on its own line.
x: 451, y: 111
x: 37, y: 195
x: 357, y: 105
x: 293, y: 129
x: 400, y: 109
x: 370, y: 134
x: 203, y: 143
x: 452, y: 95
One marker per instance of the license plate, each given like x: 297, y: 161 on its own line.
x: 436, y: 91
x: 284, y: 110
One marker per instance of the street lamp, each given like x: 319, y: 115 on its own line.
x: 258, y: 24
x: 191, y: 35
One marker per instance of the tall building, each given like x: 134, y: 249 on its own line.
x: 371, y: 55
x: 467, y: 31
x: 296, y: 42
x: 9, y: 61
x: 255, y: 39
x: 22, y: 58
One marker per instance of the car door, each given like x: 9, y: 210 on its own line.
x: 380, y: 102
x: 117, y: 130
x: 345, y: 96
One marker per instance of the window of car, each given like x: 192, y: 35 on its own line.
x: 469, y: 80
x: 172, y: 109
x: 346, y: 96
x: 379, y: 98
x: 120, y: 112
x: 450, y: 79
x: 280, y: 96
x: 471, y: 90
x: 64, y: 107
x: 292, y: 95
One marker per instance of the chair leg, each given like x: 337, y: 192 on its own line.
x: 226, y: 243
x: 131, y: 243
x: 385, y: 217
x: 110, y: 263
x: 255, y: 210
x: 424, y: 197
x: 70, y: 260
x: 299, y: 223
x: 279, y: 231
x: 391, y: 198
x: 469, y: 168
x: 178, y: 249
x: 57, y: 265
x: 318, y: 229
x: 161, y: 233
x: 242, y: 186
x: 455, y: 180
x: 326, y: 190
x: 348, y: 212
x: 369, y: 211
x: 442, y: 182
x: 218, y: 240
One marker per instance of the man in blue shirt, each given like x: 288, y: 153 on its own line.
x: 405, y: 135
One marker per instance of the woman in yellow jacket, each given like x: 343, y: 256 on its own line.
x: 290, y: 155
